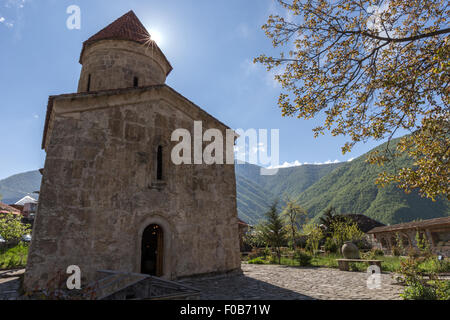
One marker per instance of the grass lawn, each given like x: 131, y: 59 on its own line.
x: 390, y: 263
x: 15, y: 257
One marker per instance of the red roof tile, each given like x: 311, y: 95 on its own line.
x: 127, y: 27
x: 4, y: 208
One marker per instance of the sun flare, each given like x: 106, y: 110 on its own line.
x: 156, y: 36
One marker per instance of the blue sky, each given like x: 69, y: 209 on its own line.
x: 210, y: 44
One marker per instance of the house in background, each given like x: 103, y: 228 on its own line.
x: 29, y: 207
x: 435, y: 231
x: 5, y: 209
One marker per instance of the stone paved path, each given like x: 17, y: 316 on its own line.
x: 282, y: 282
x: 9, y: 284
x: 270, y: 282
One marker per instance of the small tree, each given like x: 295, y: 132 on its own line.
x: 11, y: 228
x: 254, y: 238
x: 295, y: 216
x: 314, y: 234
x: 346, y: 231
x: 273, y: 230
x: 328, y: 219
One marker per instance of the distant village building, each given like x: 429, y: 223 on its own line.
x: 6, y: 209
x: 29, y: 206
x: 435, y: 231
x: 111, y: 198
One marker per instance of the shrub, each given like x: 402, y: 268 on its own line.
x: 413, y: 253
x: 418, y: 291
x: 257, y: 260
x: 433, y: 264
x: 363, y: 244
x: 266, y: 252
x: 12, y: 229
x: 255, y: 253
x: 434, y: 290
x: 331, y: 246
x: 15, y: 257
x: 303, y: 258
x: 378, y: 252
x: 396, y: 251
x: 417, y: 286
x: 369, y: 255
x: 358, y: 266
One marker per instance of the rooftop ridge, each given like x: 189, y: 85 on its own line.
x: 127, y: 27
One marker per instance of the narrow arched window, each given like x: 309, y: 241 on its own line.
x: 159, y: 162
x: 89, y: 83
x: 136, y: 82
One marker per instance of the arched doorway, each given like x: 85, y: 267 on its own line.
x: 152, y: 250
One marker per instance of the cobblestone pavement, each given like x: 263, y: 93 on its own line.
x: 271, y: 282
x: 9, y: 284
x: 293, y: 283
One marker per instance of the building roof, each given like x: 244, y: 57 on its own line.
x: 242, y: 222
x: 413, y: 225
x: 4, y: 208
x: 26, y: 199
x: 364, y: 222
x: 127, y: 27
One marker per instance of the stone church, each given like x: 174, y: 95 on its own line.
x: 111, y: 198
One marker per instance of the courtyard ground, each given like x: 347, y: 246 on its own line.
x: 295, y: 283
x: 270, y: 282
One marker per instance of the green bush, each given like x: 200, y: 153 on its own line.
x: 358, y: 266
x: 15, y: 257
x: 396, y: 251
x: 435, y: 290
x: 255, y: 253
x: 257, y: 260
x: 378, y: 252
x: 303, y: 258
x: 417, y: 291
x: 420, y: 275
x: 432, y: 264
x: 330, y: 245
x: 372, y: 254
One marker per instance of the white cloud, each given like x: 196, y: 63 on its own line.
x: 297, y: 163
x: 15, y: 3
x: 351, y: 159
x: 6, y: 23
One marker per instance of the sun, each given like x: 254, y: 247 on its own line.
x: 156, y: 36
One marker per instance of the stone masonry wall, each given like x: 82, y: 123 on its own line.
x: 98, y: 194
x: 113, y: 64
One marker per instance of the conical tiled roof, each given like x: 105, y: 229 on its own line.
x: 127, y: 27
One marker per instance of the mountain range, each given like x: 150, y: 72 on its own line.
x: 347, y: 186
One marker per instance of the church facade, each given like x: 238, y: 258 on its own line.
x: 111, y: 198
